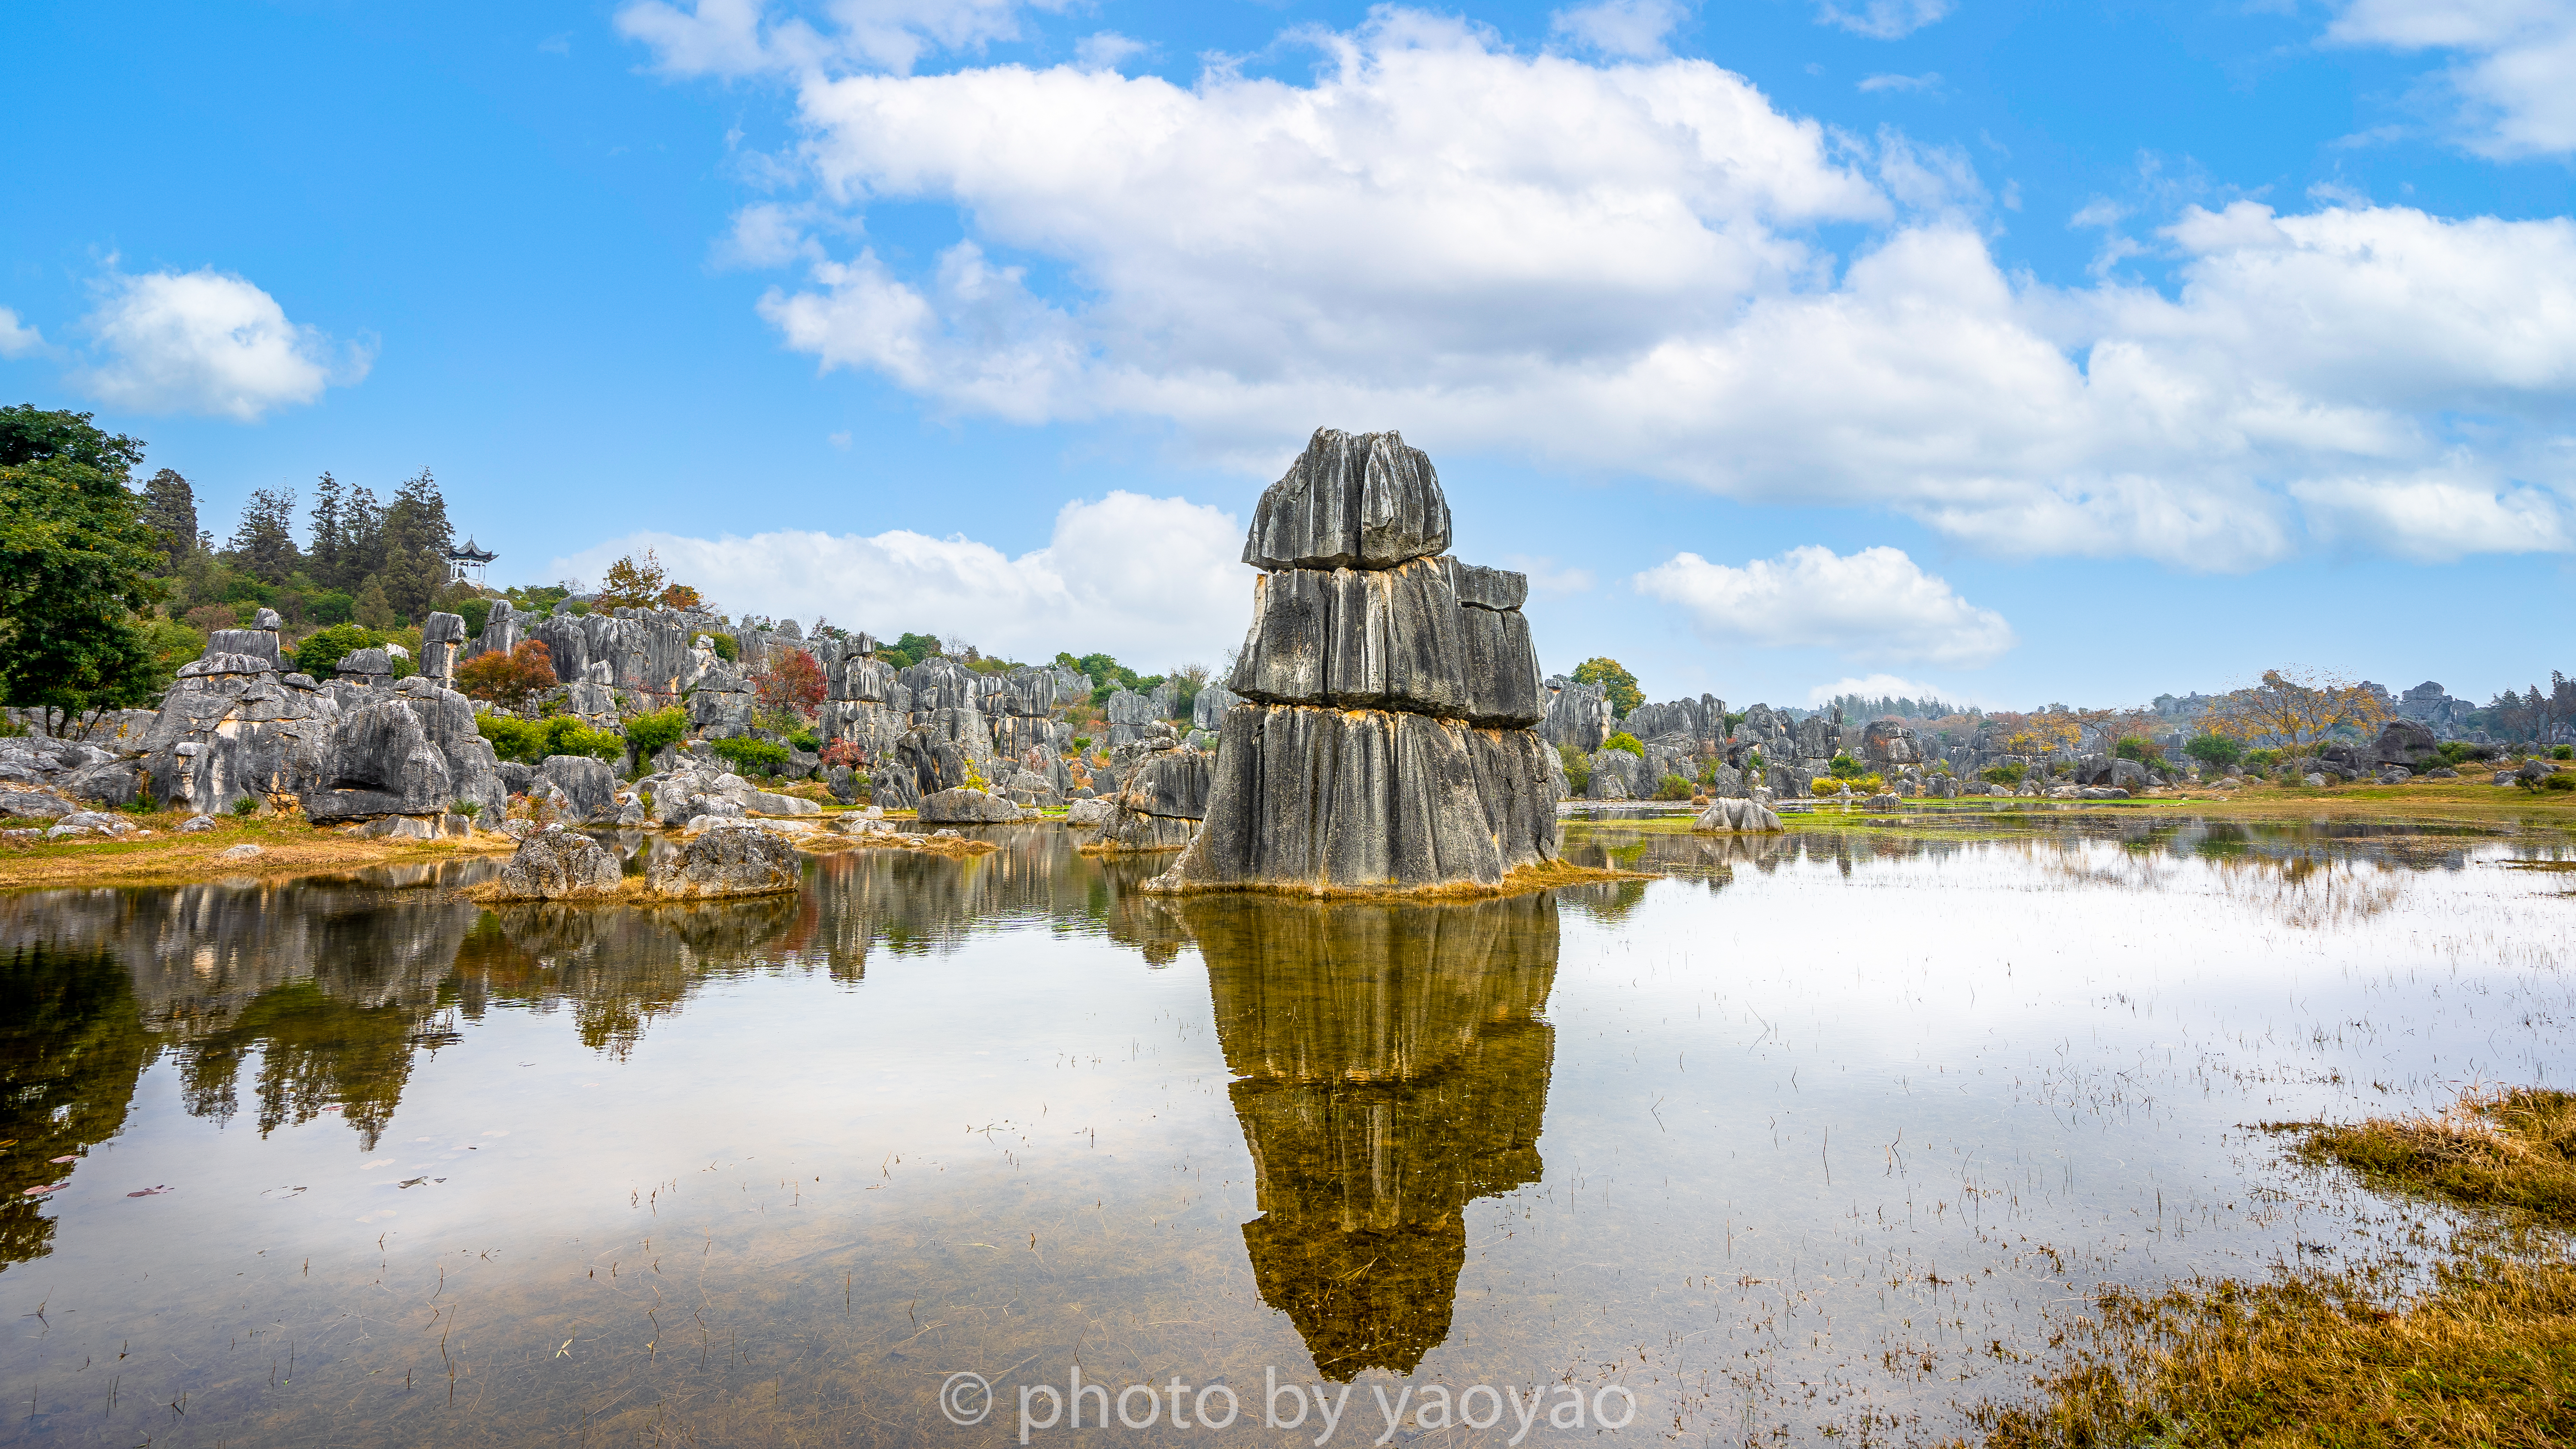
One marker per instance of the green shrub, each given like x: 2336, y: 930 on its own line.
x: 322, y: 650
x: 1674, y: 787
x: 2007, y: 773
x: 2457, y: 752
x: 476, y: 613
x: 1578, y: 768
x: 529, y: 741
x: 2563, y: 752
x: 469, y: 808
x: 1843, y: 765
x: 753, y: 757
x: 2215, y: 752
x: 727, y: 649
x: 2262, y: 761
x: 808, y: 741
x: 647, y: 733
x: 2138, y: 748
x: 11, y: 729
x: 1625, y: 741
x: 2558, y: 780
x: 246, y: 805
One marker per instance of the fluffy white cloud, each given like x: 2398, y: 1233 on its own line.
x: 1107, y: 50
x: 744, y: 37
x: 207, y: 342
x: 1630, y: 28
x: 1619, y: 268
x: 18, y: 339
x: 1882, y: 19
x: 2512, y: 85
x: 1876, y: 604
x: 1155, y: 581
x: 2430, y: 520
x: 1879, y: 686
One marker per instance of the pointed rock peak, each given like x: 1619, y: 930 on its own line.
x: 1362, y: 501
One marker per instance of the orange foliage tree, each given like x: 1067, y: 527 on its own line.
x: 789, y: 682
x: 508, y: 680
x: 2294, y: 709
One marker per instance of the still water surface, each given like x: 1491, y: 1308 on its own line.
x: 1830, y: 1133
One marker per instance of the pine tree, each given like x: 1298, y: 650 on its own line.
x: 323, y: 556
x: 416, y: 539
x: 170, y: 506
x: 263, y: 543
x: 362, y: 540
x: 373, y: 609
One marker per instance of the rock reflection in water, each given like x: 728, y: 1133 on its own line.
x: 1390, y: 1067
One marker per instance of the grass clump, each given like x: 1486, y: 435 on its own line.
x: 2484, y: 1355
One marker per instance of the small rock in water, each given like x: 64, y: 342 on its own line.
x: 153, y: 1191
x: 41, y: 1189
x: 66, y: 1159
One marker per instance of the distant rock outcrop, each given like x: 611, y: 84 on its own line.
x: 1385, y: 740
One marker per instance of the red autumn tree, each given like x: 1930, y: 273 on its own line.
x: 789, y: 682
x: 508, y: 680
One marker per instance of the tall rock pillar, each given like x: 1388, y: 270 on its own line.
x: 1384, y: 738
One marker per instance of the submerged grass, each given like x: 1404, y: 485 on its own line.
x: 2483, y: 1354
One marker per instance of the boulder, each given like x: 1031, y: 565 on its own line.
x: 243, y: 851
x: 1350, y: 501
x: 1883, y: 802
x: 770, y: 804
x: 197, y: 824
x: 2406, y: 742
x: 2127, y: 775
x: 967, y: 807
x: 559, y: 864
x: 33, y: 805
x: 414, y: 753
x: 728, y: 860
x: 588, y: 784
x: 1087, y: 813
x: 1618, y: 775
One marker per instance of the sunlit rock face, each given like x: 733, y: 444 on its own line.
x: 1383, y: 739
x: 1390, y: 1069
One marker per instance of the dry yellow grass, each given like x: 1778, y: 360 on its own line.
x: 288, y: 846
x: 2485, y: 1355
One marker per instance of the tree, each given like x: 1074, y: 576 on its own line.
x: 632, y: 585
x: 263, y: 543
x: 75, y: 552
x: 416, y: 536
x: 1615, y: 681
x: 170, y: 506
x: 789, y: 682
x: 2215, y: 752
x: 646, y: 733
x: 372, y: 607
x: 2294, y: 710
x: 508, y: 680
x: 681, y: 596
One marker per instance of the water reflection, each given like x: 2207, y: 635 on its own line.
x: 72, y: 1046
x: 1390, y: 1068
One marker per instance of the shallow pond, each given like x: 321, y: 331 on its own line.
x: 1823, y: 1135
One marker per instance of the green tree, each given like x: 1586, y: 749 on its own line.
x: 170, y: 506
x: 75, y: 555
x: 373, y: 608
x: 416, y: 534
x: 2216, y: 752
x: 1615, y: 681
x: 263, y: 543
x: 1625, y: 741
x: 646, y: 733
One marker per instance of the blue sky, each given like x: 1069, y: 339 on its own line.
x: 2022, y: 352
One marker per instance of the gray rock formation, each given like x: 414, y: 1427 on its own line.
x: 415, y: 752
x: 2406, y: 742
x: 1733, y: 815
x: 1578, y: 715
x: 589, y: 787
x: 232, y: 729
x: 962, y: 806
x: 1385, y: 741
x: 728, y: 860
x: 1165, y: 799
x: 558, y: 864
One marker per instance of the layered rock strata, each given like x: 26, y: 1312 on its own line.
x: 1384, y: 737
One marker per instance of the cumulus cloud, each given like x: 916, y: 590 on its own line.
x: 1876, y: 604
x: 1107, y: 50
x: 1882, y: 19
x: 1628, y: 28
x: 1089, y: 588
x: 2511, y: 83
x: 2432, y: 521
x: 207, y: 342
x: 18, y: 339
x: 1879, y: 686
x: 1624, y: 268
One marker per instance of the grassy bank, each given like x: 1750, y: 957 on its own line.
x: 2484, y: 1353
x: 288, y: 845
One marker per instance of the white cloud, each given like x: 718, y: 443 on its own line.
x: 208, y: 342
x: 1928, y: 81
x: 1154, y: 581
x: 766, y: 234
x: 1879, y: 686
x: 1874, y: 604
x: 745, y: 37
x: 1620, y: 268
x: 18, y: 339
x: 1632, y: 29
x: 1883, y: 19
x: 1107, y: 50
x: 2511, y: 88
x: 2432, y: 521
